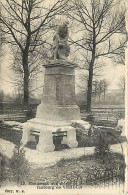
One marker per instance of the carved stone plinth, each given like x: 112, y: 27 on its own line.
x: 58, y: 101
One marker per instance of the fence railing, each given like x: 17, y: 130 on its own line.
x: 109, y: 175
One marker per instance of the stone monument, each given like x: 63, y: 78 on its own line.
x: 58, y: 110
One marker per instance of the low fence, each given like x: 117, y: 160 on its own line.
x: 108, y: 176
x: 95, y: 177
x: 18, y: 112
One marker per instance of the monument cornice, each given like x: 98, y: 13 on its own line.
x: 60, y: 63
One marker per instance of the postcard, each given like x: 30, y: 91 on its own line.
x: 63, y: 97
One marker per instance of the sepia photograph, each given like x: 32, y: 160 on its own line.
x: 63, y: 97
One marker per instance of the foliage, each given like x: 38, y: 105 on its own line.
x: 113, y: 137
x: 19, y: 164
x: 102, y: 148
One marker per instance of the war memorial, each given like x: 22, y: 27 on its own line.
x: 58, y: 110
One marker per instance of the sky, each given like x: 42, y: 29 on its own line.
x: 111, y: 72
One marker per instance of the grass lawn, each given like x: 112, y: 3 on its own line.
x: 66, y: 171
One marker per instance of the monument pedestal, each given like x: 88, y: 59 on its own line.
x: 58, y: 108
x: 45, y: 133
x: 58, y: 100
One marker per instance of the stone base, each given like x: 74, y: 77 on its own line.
x: 45, y: 132
x: 58, y: 113
x: 45, y: 141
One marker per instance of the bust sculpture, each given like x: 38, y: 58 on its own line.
x: 61, y: 48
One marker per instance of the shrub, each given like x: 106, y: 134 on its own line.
x: 2, y: 167
x: 90, y: 140
x: 102, y: 148
x: 19, y: 164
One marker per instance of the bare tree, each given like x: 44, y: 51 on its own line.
x: 121, y: 85
x: 1, y: 42
x: 99, y: 22
x: 82, y: 83
x: 95, y: 87
x: 1, y: 51
x: 36, y: 60
x: 119, y: 58
x: 105, y: 86
x: 25, y: 24
x: 100, y: 89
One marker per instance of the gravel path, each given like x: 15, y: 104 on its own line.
x: 48, y: 159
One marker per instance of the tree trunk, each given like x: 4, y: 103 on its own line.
x: 25, y: 61
x: 89, y: 92
x: 104, y: 95
x: 26, y: 79
x: 26, y: 90
x: 95, y: 94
